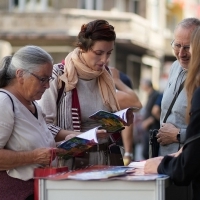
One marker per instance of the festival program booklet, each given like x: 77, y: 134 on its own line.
x: 79, y: 144
x: 113, y: 122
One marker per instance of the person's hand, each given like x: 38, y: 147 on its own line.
x: 44, y: 156
x: 129, y: 117
x: 177, y: 153
x: 167, y: 134
x: 139, y: 171
x: 102, y: 134
x: 151, y: 165
x: 68, y: 137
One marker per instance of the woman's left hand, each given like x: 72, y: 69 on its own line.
x: 68, y: 137
x: 151, y: 165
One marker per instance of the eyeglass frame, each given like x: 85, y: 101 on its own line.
x: 42, y: 80
x: 186, y: 48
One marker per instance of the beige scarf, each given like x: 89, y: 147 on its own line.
x: 76, y: 67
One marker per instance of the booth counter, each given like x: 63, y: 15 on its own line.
x: 103, y: 189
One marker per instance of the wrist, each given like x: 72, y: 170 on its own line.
x: 178, y: 138
x: 128, y: 154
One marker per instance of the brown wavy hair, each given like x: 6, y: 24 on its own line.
x: 97, y: 30
x: 193, y: 76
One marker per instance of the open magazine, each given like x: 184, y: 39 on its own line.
x: 79, y: 144
x: 114, y: 122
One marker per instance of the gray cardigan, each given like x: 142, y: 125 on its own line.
x: 177, y: 116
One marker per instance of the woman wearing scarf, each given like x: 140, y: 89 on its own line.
x: 88, y: 87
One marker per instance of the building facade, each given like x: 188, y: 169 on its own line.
x: 143, y: 28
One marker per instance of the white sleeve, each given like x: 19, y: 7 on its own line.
x: 48, y: 104
x: 6, y: 119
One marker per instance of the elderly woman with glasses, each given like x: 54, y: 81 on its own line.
x: 88, y: 87
x: 25, y: 140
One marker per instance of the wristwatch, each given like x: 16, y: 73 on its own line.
x: 178, y: 137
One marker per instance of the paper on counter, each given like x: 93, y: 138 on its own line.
x: 137, y: 165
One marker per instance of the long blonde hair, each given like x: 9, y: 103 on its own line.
x: 193, y: 77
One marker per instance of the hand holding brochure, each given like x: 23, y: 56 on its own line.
x: 113, y: 122
x: 79, y: 144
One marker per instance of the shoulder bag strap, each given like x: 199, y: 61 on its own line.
x: 173, y: 101
x: 10, y: 99
x: 59, y: 71
x: 60, y: 93
x: 192, y: 139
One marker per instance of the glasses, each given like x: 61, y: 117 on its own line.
x: 42, y: 80
x: 177, y: 47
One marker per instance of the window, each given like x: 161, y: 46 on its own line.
x: 133, y: 6
x: 154, y: 4
x: 90, y: 4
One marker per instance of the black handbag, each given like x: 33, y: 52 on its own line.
x: 153, y: 143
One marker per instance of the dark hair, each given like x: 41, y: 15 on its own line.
x: 96, y: 30
x: 27, y: 58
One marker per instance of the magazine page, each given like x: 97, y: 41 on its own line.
x: 79, y: 144
x: 98, y: 174
x: 89, y: 135
x: 114, y: 122
x: 123, y: 113
x: 138, y: 165
x: 144, y: 177
x: 109, y: 121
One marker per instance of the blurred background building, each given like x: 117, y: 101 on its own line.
x: 144, y: 30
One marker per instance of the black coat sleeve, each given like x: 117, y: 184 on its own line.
x: 186, y: 167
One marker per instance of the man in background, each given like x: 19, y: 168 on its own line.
x: 172, y: 133
x: 148, y: 120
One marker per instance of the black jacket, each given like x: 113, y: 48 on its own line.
x: 186, y: 167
